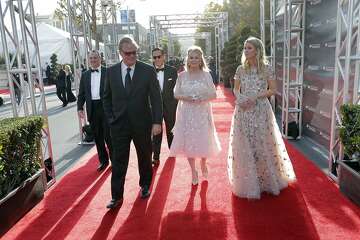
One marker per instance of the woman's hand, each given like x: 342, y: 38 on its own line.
x: 247, y: 102
x: 184, y: 98
x: 252, y: 100
x: 196, y: 98
x: 245, y: 105
x: 192, y: 99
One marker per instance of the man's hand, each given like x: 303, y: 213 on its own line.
x: 156, y: 129
x: 81, y: 114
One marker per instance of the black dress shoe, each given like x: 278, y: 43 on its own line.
x: 145, y: 192
x: 102, y: 166
x: 114, y: 203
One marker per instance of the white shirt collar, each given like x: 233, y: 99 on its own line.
x: 98, y: 68
x: 162, y: 66
x: 124, y: 66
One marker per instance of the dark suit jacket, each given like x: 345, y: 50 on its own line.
x: 85, y: 91
x: 143, y: 107
x: 170, y: 77
x: 61, y: 79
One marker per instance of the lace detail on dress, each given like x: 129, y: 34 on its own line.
x: 257, y: 159
x: 194, y: 131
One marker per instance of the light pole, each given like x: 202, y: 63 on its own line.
x: 127, y: 19
x: 127, y: 16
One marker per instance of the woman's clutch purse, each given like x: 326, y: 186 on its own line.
x: 195, y: 97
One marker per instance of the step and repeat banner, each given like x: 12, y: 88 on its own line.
x: 319, y: 59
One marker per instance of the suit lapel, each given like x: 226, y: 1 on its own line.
x: 102, y: 82
x: 88, y: 81
x: 118, y: 75
x: 166, y: 77
x: 134, y: 78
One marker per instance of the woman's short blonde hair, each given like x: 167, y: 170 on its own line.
x: 198, y: 50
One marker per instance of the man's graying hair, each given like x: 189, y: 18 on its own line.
x: 127, y: 40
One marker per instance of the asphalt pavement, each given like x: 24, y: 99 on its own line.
x: 64, y: 131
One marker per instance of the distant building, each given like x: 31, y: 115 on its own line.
x: 126, y: 15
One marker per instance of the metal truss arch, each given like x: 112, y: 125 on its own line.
x: 80, y: 32
x: 18, y: 11
x: 160, y: 25
x: 293, y: 64
x: 347, y: 73
x: 197, y: 35
x: 108, y: 13
x: 268, y: 24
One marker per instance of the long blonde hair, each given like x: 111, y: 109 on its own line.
x: 67, y: 69
x: 198, y: 50
x: 261, y: 59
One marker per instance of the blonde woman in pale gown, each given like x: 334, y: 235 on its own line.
x: 194, y: 131
x: 257, y: 160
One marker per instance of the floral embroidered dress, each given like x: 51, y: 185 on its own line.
x: 194, y: 131
x: 257, y: 159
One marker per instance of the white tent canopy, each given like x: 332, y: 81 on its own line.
x: 53, y: 40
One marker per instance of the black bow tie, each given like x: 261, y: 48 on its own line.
x: 94, y: 70
x: 159, y: 69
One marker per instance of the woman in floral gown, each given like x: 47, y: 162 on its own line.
x: 257, y: 160
x: 194, y: 131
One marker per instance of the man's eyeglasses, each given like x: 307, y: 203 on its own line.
x: 155, y: 57
x: 130, y: 53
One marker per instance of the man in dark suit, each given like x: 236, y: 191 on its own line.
x: 167, y: 76
x: 91, y: 92
x: 132, y: 104
x: 47, y: 73
x: 17, y: 87
x: 61, y: 86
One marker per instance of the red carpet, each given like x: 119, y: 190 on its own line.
x: 4, y: 91
x: 312, y: 208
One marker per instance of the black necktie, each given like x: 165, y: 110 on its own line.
x: 128, y: 81
x: 159, y: 69
x: 94, y: 70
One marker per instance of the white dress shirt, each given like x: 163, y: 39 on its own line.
x: 160, y: 77
x: 95, y: 84
x: 124, y: 71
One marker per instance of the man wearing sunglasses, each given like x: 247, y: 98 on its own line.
x: 167, y: 77
x: 133, y: 106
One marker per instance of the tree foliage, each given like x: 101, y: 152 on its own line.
x: 211, y: 7
x: 177, y: 48
x: 164, y: 44
x: 61, y: 12
x: 244, y: 21
x: 19, y: 151
x: 350, y: 130
x: 54, y: 69
x: 243, y: 13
